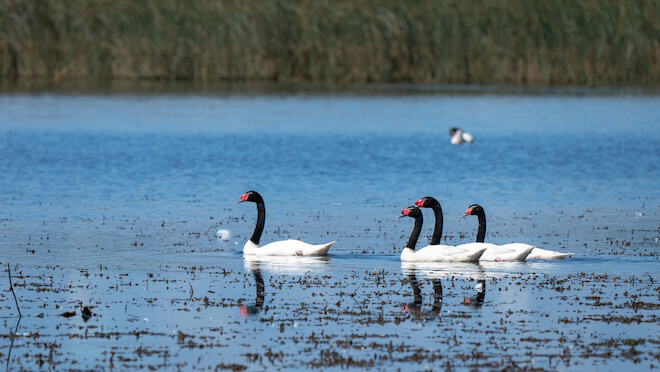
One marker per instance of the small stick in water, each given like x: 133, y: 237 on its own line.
x: 11, y: 286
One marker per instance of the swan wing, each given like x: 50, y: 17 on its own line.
x: 289, y: 247
x: 544, y: 254
x: 507, y: 252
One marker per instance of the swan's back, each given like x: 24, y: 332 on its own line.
x: 507, y: 252
x: 442, y: 253
x: 544, y: 254
x: 289, y: 247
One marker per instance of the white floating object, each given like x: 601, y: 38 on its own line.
x: 223, y: 234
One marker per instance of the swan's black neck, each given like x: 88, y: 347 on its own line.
x: 437, y: 288
x: 437, y: 230
x: 416, y: 231
x: 260, y: 289
x: 261, y: 221
x: 481, y: 233
x: 417, y: 292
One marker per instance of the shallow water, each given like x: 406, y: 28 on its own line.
x: 111, y: 196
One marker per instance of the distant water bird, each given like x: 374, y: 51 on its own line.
x: 281, y: 248
x: 223, y: 234
x: 508, y: 252
x: 433, y: 253
x: 459, y: 137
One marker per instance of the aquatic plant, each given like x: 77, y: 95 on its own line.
x: 449, y: 41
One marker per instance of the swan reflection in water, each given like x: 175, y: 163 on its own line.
x: 246, y: 310
x: 477, y: 300
x: 282, y: 265
x: 415, y: 308
x: 437, y: 271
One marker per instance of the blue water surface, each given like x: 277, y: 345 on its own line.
x: 138, y: 179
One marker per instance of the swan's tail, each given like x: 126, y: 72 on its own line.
x: 321, y: 249
x: 476, y: 255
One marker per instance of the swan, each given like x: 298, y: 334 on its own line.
x: 434, y: 253
x: 505, y: 252
x: 459, y: 137
x: 281, y: 248
x: 534, y: 252
x: 510, y: 252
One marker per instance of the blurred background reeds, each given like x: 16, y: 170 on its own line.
x: 586, y: 42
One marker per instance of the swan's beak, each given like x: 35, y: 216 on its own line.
x: 420, y: 203
x: 468, y: 212
x: 244, y: 197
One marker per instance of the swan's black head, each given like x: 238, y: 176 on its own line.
x: 427, y: 202
x: 411, y: 211
x: 453, y: 131
x: 251, y: 196
x: 473, y: 210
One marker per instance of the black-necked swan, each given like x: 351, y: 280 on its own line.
x: 289, y: 247
x: 505, y: 252
x: 431, y: 202
x: 535, y: 252
x: 433, y: 253
x: 459, y: 137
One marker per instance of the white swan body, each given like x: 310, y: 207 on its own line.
x: 441, y: 253
x: 289, y: 247
x: 282, y: 248
x: 544, y: 254
x: 506, y: 252
x: 459, y: 137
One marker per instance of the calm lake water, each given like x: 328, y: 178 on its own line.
x: 110, y: 198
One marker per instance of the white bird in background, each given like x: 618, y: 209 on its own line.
x: 459, y: 137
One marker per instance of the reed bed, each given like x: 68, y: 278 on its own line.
x: 444, y: 41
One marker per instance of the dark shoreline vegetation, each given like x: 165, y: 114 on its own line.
x: 555, y: 42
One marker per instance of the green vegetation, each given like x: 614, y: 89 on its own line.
x: 444, y: 41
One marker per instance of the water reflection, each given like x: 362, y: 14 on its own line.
x: 281, y: 265
x: 477, y: 300
x: 415, y: 308
x: 443, y: 270
x: 437, y: 271
x: 286, y: 265
x: 246, y: 310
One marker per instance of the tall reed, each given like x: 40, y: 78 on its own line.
x: 421, y: 41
